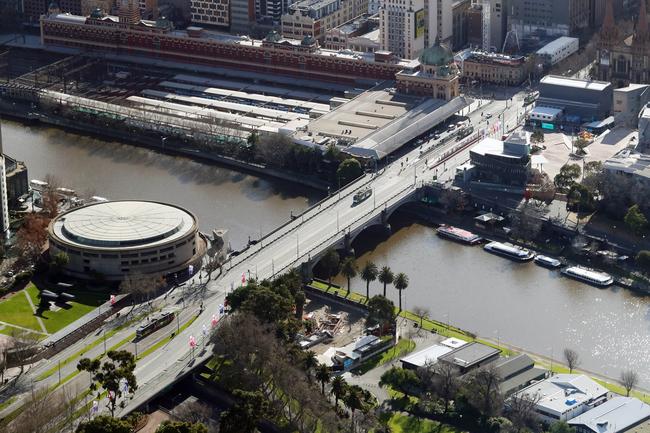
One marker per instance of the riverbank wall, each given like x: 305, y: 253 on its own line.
x: 23, y: 114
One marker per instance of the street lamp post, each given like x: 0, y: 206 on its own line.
x: 162, y: 142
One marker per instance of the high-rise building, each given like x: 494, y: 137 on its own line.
x: 210, y: 12
x: 242, y: 15
x: 551, y: 17
x: 129, y: 12
x: 493, y: 12
x: 459, y: 23
x: 405, y: 26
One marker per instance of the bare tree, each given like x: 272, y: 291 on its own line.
x: 422, y: 313
x: 43, y: 412
x: 572, y: 359
x: 24, y: 345
x: 140, y: 286
x: 521, y: 412
x: 31, y: 237
x: 444, y: 381
x: 194, y: 412
x: 629, y: 379
x: 482, y: 391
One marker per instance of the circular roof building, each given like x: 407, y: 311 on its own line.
x: 117, y: 238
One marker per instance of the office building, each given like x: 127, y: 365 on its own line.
x: 315, y: 17
x: 502, y: 162
x: 459, y: 10
x: 4, y: 200
x: 360, y: 34
x: 210, y: 12
x: 548, y: 17
x: 242, y: 16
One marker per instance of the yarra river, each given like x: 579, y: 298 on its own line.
x: 521, y: 304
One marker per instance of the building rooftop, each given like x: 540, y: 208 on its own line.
x: 470, y: 354
x: 615, y: 415
x: 631, y: 87
x: 119, y: 224
x: 556, y: 44
x: 560, y: 393
x: 512, y: 365
x: 629, y: 161
x: 492, y: 146
x: 426, y: 356
x: 494, y: 58
x: 576, y: 83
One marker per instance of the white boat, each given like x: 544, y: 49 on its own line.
x: 591, y: 276
x: 548, y: 262
x: 510, y: 251
x: 97, y: 198
x: 459, y: 235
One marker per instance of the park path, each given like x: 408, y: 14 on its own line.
x: 11, y: 325
x: 40, y: 321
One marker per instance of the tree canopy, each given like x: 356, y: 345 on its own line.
x: 105, y: 424
x: 349, y: 170
x: 635, y: 219
x: 381, y: 311
x: 181, y: 427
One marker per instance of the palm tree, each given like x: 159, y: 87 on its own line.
x: 339, y: 388
x: 349, y: 270
x: 309, y: 362
x: 323, y: 376
x: 330, y: 262
x: 401, y: 283
x: 386, y: 276
x: 369, y: 273
x: 353, y: 400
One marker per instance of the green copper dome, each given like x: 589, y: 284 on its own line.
x: 437, y: 55
x: 97, y: 13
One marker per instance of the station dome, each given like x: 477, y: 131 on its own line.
x: 436, y: 55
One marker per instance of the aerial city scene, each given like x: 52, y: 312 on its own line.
x: 324, y: 216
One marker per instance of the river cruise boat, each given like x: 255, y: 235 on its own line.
x: 458, y: 235
x: 590, y: 276
x: 510, y: 251
x: 547, y: 262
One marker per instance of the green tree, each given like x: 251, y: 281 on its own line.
x: 299, y: 299
x: 561, y: 427
x: 323, y: 376
x: 349, y: 270
x: 331, y: 262
x: 105, y: 424
x: 368, y: 274
x: 109, y: 375
x: 381, y: 311
x: 354, y: 400
x: 181, y: 427
x: 401, y: 283
x: 332, y: 153
x: 253, y: 139
x: 348, y: 170
x: 309, y: 362
x: 400, y: 379
x: 339, y: 388
x: 568, y: 175
x: 537, y: 137
x: 60, y: 261
x: 268, y: 305
x: 385, y: 277
x: 250, y: 409
x: 635, y: 219
x: 643, y: 260
x: 581, y: 197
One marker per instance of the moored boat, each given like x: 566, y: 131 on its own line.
x: 458, y: 235
x: 510, y: 251
x: 590, y: 276
x: 547, y: 262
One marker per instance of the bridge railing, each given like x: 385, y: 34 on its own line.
x: 330, y: 240
x: 300, y: 219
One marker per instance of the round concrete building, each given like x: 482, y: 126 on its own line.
x: 117, y: 238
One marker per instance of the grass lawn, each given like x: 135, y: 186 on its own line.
x: 17, y: 311
x: 399, y: 423
x: 83, y: 304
